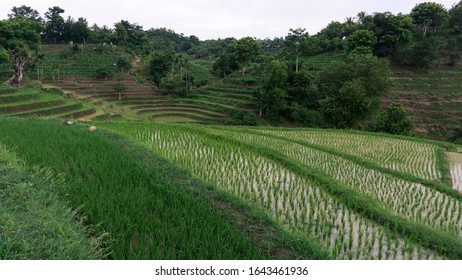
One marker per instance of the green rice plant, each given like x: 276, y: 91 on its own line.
x: 455, y: 164
x: 407, y: 199
x: 149, y: 209
x: 35, y: 223
x: 275, y: 188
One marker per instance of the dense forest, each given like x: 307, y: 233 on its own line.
x: 344, y: 94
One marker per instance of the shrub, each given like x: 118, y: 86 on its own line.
x: 103, y: 73
x: 306, y: 117
x: 394, y: 120
x: 69, y: 51
x: 123, y: 63
x: 455, y: 133
x: 455, y: 58
x: 241, y: 117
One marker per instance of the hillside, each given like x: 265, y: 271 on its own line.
x: 46, y: 102
x: 432, y: 96
x: 351, y: 195
x: 77, y: 75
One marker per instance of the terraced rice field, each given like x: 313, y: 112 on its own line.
x: 28, y: 102
x: 433, y: 97
x: 397, y: 154
x: 206, y: 105
x: 313, y: 192
x: 455, y: 163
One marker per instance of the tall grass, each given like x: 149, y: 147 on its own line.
x: 35, y: 223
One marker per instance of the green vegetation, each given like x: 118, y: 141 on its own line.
x: 263, y: 153
x: 349, y: 91
x: 150, y: 209
x: 35, y: 223
x: 142, y: 188
x: 394, y: 120
x: 164, y: 62
x: 315, y: 184
x: 35, y: 102
x: 18, y: 36
x: 241, y: 117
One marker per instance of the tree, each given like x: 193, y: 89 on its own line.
x: 394, y: 120
x: 123, y: 63
x: 129, y: 35
x: 54, y: 26
x: 80, y: 31
x: 272, y: 95
x: 225, y: 64
x: 455, y: 17
x: 332, y: 36
x: 19, y: 37
x: 423, y: 52
x: 244, y: 50
x: 299, y: 89
x: 25, y: 12
x: 119, y: 88
x: 349, y: 90
x: 99, y: 35
x: 392, y: 33
x: 292, y: 44
x: 160, y: 64
x: 173, y: 84
x: 429, y: 14
x: 4, y: 55
x: 121, y: 34
x: 361, y: 39
x: 178, y: 81
x: 103, y: 73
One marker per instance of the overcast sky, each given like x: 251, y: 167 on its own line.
x: 212, y: 19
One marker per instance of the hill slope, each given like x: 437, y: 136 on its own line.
x: 27, y: 102
x: 77, y: 74
x: 433, y: 97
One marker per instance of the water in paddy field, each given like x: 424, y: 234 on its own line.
x: 455, y: 165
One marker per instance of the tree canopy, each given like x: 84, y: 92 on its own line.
x: 349, y: 90
x: 244, y: 50
x: 25, y: 12
x: 429, y: 15
x: 17, y: 37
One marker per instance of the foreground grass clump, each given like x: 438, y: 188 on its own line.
x: 150, y: 209
x: 34, y: 222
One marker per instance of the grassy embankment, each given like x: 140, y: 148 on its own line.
x: 35, y: 223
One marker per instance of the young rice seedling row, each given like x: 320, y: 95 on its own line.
x: 416, y: 158
x: 293, y: 200
x: 408, y: 199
